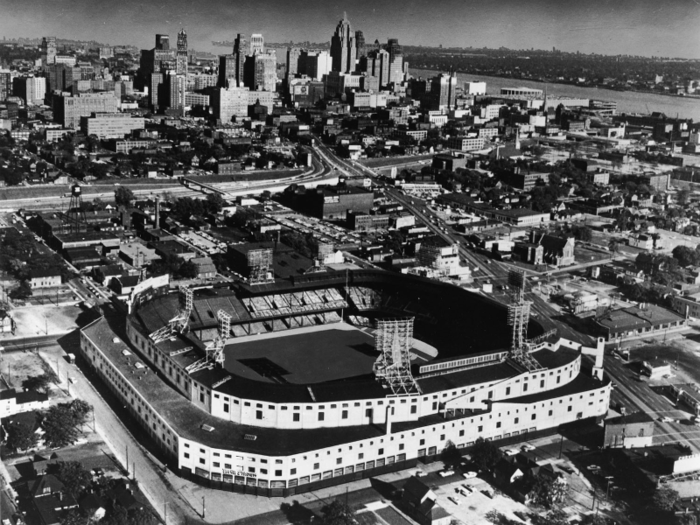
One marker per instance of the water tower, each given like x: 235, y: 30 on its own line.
x: 75, y: 216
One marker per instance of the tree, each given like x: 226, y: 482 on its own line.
x: 21, y: 434
x: 686, y: 256
x: 23, y: 291
x: 40, y: 382
x: 664, y: 498
x: 61, y: 422
x: 682, y: 196
x: 485, y: 454
x: 73, y: 475
x: 123, y: 196
x: 687, y: 519
x: 73, y: 517
x: 214, y: 203
x: 337, y: 513
x: 450, y: 455
x: 187, y: 270
x: 553, y: 517
x: 143, y: 517
x: 546, y: 491
x: 593, y: 519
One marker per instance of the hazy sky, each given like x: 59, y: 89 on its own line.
x: 640, y: 27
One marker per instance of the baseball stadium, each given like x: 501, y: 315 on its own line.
x: 276, y: 387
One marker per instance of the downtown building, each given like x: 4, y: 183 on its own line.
x: 111, y: 125
x: 343, y: 49
x: 69, y: 109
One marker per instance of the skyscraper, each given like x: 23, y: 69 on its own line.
x: 181, y: 57
x: 343, y: 49
x: 227, y: 71
x: 239, y: 53
x: 257, y: 44
x: 265, y: 78
x: 163, y: 42
x: 5, y: 84
x: 293, y: 54
x: 360, y: 44
x: 48, y: 50
x: 443, y: 92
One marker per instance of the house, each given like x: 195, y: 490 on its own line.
x: 420, y: 503
x: 13, y: 402
x: 50, y: 501
x: 26, y: 419
x: 93, y: 507
x: 44, y: 278
x: 507, y: 470
x: 656, y: 368
x: 7, y: 324
x: 642, y: 241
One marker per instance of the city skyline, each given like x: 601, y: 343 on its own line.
x: 599, y: 26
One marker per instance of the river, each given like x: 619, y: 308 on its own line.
x: 627, y: 101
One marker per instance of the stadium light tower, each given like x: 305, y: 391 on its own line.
x: 180, y: 322
x: 393, y: 339
x: 519, y: 318
x: 214, y: 349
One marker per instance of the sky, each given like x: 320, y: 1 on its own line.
x: 636, y: 27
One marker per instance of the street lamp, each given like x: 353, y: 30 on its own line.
x: 607, y: 490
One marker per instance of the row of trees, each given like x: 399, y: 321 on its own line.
x: 61, y: 424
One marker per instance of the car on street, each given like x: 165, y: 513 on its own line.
x: 445, y: 473
x: 453, y: 500
x: 469, y: 475
x: 527, y: 447
x: 510, y: 452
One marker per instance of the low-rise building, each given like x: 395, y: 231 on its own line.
x: 635, y: 321
x: 44, y: 278
x: 629, y: 430
x: 14, y: 402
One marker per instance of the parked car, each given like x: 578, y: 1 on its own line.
x: 445, y: 473
x: 469, y: 475
x: 527, y: 447
x: 510, y: 452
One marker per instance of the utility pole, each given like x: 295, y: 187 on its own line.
x: 127, y: 461
x: 561, y: 446
x: 204, y: 508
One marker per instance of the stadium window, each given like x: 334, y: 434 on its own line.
x: 400, y: 446
x: 316, y: 466
x: 491, y: 394
x: 227, y: 465
x: 414, y: 409
x: 295, y: 416
x: 226, y: 407
x: 258, y: 414
x: 344, y: 414
x: 534, y: 416
x: 517, y: 419
x: 216, y: 464
x: 251, y: 470
x: 202, y: 461
x: 507, y: 390
x: 334, y: 406
x: 471, y: 399
x: 435, y: 405
x: 309, y: 408
x: 278, y: 473
x: 338, y: 461
x: 380, y: 452
x: 293, y: 471
x: 442, y: 437
x: 524, y: 387
x: 480, y: 428
x: 550, y: 413
x: 284, y: 407
x: 321, y: 416
x: 201, y: 397
x: 368, y: 412
x: 187, y: 455
x: 278, y: 462
x: 187, y: 445
x: 263, y: 471
x: 357, y: 404
x: 246, y: 404
x: 498, y: 424
x: 361, y: 455
x: 569, y: 408
x: 542, y: 383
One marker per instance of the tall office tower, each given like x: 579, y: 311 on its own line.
x: 293, y: 54
x: 239, y: 52
x: 394, y: 48
x: 61, y: 77
x: 265, y: 78
x: 154, y: 81
x: 257, y: 44
x: 315, y: 64
x: 343, y: 47
x: 34, y: 90
x: 227, y: 71
x: 5, y: 85
x: 48, y: 50
x: 163, y: 42
x: 360, y: 44
x: 172, y: 91
x: 231, y: 102
x: 376, y: 64
x: 181, y: 57
x: 443, y: 92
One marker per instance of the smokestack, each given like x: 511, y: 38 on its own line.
x: 157, y: 213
